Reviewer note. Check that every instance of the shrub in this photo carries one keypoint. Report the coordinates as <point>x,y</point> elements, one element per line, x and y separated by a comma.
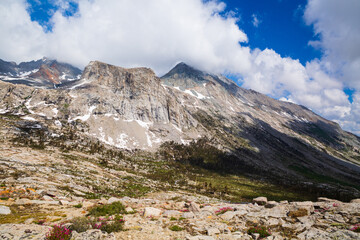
<point>355,228</point>
<point>176,228</point>
<point>78,205</point>
<point>260,230</point>
<point>80,224</point>
<point>110,224</point>
<point>223,210</point>
<point>109,209</point>
<point>59,232</point>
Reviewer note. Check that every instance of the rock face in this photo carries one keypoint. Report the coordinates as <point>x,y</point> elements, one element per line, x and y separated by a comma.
<point>134,109</point>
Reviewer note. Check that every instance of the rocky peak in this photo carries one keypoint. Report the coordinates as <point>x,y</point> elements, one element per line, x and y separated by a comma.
<point>118,77</point>
<point>184,76</point>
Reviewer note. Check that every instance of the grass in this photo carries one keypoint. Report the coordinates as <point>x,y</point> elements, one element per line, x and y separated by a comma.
<point>19,215</point>
<point>108,210</point>
<point>176,228</point>
<point>319,177</point>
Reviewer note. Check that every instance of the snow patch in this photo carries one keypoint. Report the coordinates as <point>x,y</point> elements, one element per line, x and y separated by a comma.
<point>122,141</point>
<point>58,123</point>
<point>85,81</point>
<point>29,118</point>
<point>55,111</point>
<point>2,111</point>
<point>178,129</point>
<point>85,117</point>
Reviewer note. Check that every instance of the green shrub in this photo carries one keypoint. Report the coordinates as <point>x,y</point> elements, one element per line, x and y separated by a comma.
<point>80,224</point>
<point>176,228</point>
<point>109,209</point>
<point>109,224</point>
<point>78,205</point>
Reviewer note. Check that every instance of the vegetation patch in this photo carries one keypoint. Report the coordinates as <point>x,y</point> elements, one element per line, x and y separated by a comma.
<point>108,209</point>
<point>176,228</point>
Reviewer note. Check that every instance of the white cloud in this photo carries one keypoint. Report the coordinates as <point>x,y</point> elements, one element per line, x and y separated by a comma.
<point>21,39</point>
<point>159,33</point>
<point>255,20</point>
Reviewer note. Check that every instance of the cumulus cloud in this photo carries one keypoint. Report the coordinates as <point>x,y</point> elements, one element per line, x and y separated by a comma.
<point>337,24</point>
<point>21,39</point>
<point>160,33</point>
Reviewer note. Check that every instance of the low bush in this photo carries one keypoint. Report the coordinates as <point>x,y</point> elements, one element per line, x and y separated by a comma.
<point>263,231</point>
<point>59,232</point>
<point>108,209</point>
<point>80,224</point>
<point>355,228</point>
<point>176,228</point>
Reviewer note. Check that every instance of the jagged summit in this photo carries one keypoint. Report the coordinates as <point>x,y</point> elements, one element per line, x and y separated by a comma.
<point>44,72</point>
<point>111,75</point>
<point>184,70</point>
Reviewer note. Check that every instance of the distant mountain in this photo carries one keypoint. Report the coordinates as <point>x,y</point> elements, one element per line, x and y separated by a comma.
<point>41,73</point>
<point>193,117</point>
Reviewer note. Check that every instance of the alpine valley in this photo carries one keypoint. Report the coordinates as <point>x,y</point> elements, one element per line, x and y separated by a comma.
<point>77,138</point>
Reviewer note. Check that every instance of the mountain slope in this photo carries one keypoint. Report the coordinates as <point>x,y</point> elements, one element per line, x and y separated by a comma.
<point>41,73</point>
<point>194,117</point>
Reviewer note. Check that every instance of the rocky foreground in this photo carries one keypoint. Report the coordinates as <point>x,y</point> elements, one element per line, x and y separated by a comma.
<point>178,215</point>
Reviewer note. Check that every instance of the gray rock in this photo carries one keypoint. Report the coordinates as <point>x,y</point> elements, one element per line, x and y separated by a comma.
<point>188,215</point>
<point>113,199</point>
<point>355,200</point>
<point>200,237</point>
<point>314,234</point>
<point>260,200</point>
<point>152,212</point>
<point>47,198</point>
<point>23,231</point>
<point>194,207</point>
<point>212,231</point>
<point>129,209</point>
<point>93,234</point>
<point>255,236</point>
<point>4,210</point>
<point>228,215</point>
<point>271,204</point>
<point>23,201</point>
<point>171,213</point>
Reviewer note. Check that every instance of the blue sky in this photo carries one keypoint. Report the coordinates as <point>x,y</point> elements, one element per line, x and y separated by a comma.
<point>302,51</point>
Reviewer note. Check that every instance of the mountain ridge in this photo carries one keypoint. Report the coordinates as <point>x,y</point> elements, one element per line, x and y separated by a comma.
<point>248,132</point>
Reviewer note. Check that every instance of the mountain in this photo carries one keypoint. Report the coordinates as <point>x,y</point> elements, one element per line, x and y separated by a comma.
<point>41,73</point>
<point>187,117</point>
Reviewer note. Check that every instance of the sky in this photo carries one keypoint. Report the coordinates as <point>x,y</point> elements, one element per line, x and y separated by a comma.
<point>302,51</point>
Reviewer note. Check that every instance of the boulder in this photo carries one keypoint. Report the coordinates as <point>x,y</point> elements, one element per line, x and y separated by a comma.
<point>188,215</point>
<point>355,200</point>
<point>212,231</point>
<point>4,210</point>
<point>260,200</point>
<point>113,199</point>
<point>152,212</point>
<point>171,213</point>
<point>271,204</point>
<point>194,207</point>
